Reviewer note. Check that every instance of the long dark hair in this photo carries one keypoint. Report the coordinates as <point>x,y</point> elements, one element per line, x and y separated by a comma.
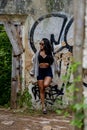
<point>47,46</point>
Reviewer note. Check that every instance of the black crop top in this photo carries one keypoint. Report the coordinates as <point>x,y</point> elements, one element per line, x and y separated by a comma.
<point>48,59</point>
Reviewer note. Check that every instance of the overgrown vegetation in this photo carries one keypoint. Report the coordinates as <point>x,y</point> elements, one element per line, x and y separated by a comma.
<point>79,107</point>
<point>24,99</point>
<point>5,68</point>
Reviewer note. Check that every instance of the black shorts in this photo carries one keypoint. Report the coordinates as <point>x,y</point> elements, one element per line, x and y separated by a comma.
<point>44,72</point>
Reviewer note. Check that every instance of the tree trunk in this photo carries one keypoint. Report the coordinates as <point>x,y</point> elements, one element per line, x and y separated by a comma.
<point>79,7</point>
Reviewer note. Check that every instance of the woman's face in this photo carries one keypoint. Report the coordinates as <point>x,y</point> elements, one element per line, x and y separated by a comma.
<point>41,45</point>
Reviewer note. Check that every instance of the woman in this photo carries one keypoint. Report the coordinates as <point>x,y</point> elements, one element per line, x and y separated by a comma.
<point>42,68</point>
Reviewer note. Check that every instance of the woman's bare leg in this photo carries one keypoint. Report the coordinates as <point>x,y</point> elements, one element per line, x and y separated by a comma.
<point>42,91</point>
<point>42,85</point>
<point>47,81</point>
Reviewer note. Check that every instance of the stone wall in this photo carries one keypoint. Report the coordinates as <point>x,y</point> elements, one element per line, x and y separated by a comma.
<point>33,7</point>
<point>56,25</point>
<point>42,18</point>
<point>14,6</point>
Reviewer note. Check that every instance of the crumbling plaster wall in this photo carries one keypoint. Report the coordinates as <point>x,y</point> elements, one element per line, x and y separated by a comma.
<point>19,12</point>
<point>21,6</point>
<point>27,12</point>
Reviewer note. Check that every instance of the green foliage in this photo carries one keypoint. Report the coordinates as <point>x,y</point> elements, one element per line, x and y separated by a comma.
<point>66,114</point>
<point>79,114</point>
<point>78,120</point>
<point>5,67</point>
<point>77,108</point>
<point>24,99</point>
<point>59,112</point>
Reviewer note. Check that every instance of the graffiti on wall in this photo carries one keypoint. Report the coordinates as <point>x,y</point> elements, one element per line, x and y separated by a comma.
<point>58,28</point>
<point>54,27</point>
<point>51,94</point>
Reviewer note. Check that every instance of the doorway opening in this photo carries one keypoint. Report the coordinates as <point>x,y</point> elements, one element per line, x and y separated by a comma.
<point>5,68</point>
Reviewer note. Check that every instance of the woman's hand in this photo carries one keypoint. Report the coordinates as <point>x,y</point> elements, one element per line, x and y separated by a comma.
<point>31,73</point>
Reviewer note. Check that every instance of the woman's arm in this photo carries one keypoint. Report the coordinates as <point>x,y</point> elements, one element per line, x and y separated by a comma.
<point>32,71</point>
